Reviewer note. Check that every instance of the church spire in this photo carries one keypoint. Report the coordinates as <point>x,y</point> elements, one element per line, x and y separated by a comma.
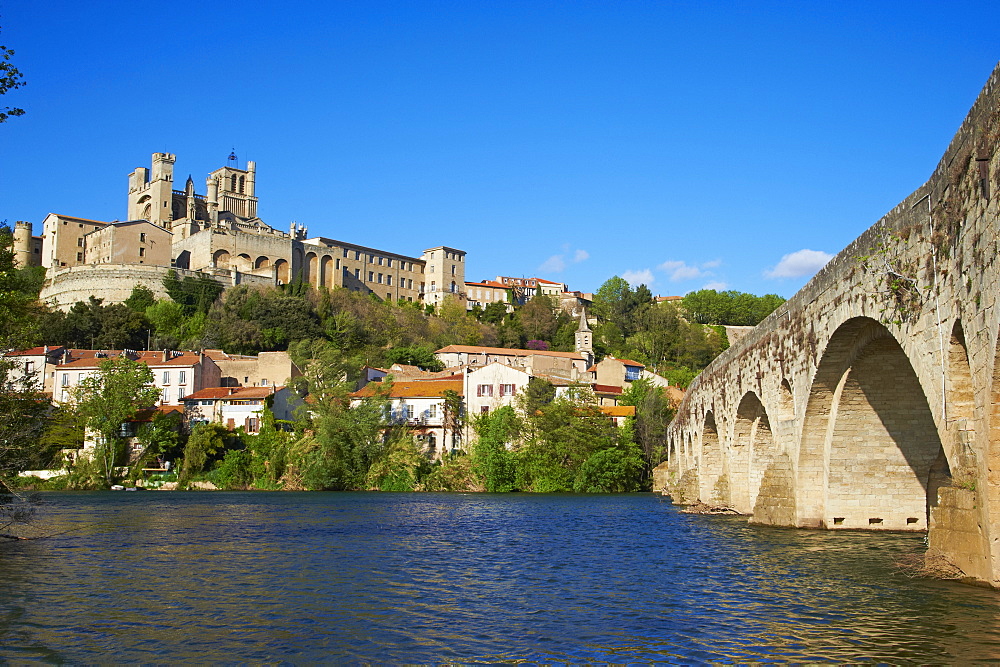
<point>585,339</point>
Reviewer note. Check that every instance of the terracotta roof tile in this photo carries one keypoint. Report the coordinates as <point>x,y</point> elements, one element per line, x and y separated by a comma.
<point>414,389</point>
<point>618,410</point>
<point>505,351</point>
<point>35,351</point>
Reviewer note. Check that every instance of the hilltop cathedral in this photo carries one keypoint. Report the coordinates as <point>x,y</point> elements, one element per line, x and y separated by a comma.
<point>216,234</point>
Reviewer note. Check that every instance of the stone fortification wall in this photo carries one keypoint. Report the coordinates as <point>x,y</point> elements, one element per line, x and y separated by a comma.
<point>111,282</point>
<point>867,400</point>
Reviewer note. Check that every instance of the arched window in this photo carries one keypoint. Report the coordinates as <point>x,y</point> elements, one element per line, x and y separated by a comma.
<point>233,186</point>
<point>242,184</point>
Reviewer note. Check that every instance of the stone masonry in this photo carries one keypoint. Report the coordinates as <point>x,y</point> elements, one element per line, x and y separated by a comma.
<point>871,399</point>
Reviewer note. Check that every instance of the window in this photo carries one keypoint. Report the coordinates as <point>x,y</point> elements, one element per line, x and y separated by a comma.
<point>432,412</point>
<point>65,380</point>
<point>371,276</point>
<point>388,296</point>
<point>357,273</point>
<point>253,424</point>
<point>166,377</point>
<point>166,396</point>
<point>632,373</point>
<point>180,394</point>
<point>345,253</point>
<point>484,390</point>
<point>371,259</point>
<point>263,382</point>
<point>388,280</point>
<point>380,279</point>
<point>29,367</point>
<point>142,237</point>
<point>182,377</point>
<point>410,283</point>
<point>79,242</point>
<point>357,254</point>
<point>380,259</point>
<point>79,256</point>
<point>452,269</point>
<point>388,263</point>
<point>507,390</point>
<point>409,412</point>
<point>484,409</point>
<point>142,252</point>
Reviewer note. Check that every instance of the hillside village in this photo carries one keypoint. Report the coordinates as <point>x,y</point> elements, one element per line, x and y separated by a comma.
<point>217,235</point>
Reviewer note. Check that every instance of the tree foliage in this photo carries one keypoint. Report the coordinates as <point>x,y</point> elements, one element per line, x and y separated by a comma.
<point>732,308</point>
<point>109,398</point>
<point>10,79</point>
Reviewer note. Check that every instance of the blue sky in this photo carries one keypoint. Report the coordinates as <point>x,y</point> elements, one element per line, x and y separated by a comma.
<point>680,144</point>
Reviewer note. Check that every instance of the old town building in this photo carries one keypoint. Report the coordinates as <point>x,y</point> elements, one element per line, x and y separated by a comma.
<point>218,234</point>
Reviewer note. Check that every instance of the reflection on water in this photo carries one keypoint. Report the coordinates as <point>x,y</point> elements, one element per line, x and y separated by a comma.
<point>306,577</point>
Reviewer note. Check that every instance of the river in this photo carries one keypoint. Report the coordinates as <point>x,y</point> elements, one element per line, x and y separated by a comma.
<point>388,578</point>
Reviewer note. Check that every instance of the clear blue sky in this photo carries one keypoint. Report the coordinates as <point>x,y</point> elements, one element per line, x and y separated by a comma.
<point>690,143</point>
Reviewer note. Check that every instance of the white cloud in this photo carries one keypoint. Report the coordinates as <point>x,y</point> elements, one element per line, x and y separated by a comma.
<point>797,264</point>
<point>557,263</point>
<point>554,264</point>
<point>636,278</point>
<point>680,270</point>
<point>716,285</point>
<point>712,264</point>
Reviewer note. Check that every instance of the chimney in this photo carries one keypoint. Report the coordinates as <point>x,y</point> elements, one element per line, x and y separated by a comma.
<point>165,355</point>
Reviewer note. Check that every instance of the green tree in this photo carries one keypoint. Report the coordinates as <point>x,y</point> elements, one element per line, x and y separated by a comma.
<point>193,294</point>
<point>492,458</point>
<point>653,414</point>
<point>206,442</point>
<point>108,399</point>
<point>538,318</point>
<point>10,79</point>
<point>415,355</point>
<point>140,299</point>
<point>157,437</point>
<point>617,469</point>
<point>562,435</point>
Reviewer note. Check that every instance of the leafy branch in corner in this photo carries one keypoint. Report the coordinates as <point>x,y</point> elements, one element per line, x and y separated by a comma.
<point>895,279</point>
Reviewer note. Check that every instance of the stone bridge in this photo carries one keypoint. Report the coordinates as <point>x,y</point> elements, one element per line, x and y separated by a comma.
<point>871,399</point>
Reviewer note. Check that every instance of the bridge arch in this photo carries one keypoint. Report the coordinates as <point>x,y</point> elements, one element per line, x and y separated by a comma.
<point>752,451</point>
<point>869,440</point>
<point>713,481</point>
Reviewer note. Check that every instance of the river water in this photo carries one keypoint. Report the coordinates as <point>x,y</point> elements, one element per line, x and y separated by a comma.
<point>388,578</point>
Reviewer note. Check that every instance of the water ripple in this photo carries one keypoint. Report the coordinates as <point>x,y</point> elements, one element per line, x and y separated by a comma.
<point>386,578</point>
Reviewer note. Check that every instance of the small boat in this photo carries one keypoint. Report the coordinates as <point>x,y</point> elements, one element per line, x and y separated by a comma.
<point>117,487</point>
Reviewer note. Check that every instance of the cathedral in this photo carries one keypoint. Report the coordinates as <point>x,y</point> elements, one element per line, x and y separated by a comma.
<point>217,234</point>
